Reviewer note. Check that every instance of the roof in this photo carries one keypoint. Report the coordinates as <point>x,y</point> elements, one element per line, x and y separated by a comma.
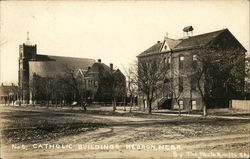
<point>155,48</point>
<point>100,67</point>
<point>189,42</point>
<point>82,72</point>
<point>172,42</point>
<point>198,40</point>
<point>28,42</point>
<point>47,66</point>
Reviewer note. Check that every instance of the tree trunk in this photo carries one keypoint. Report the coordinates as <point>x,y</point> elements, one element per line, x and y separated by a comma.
<point>130,110</point>
<point>8,101</point>
<point>47,101</point>
<point>204,108</point>
<point>179,106</point>
<point>114,105</point>
<point>190,101</point>
<point>149,107</point>
<point>84,104</point>
<point>124,104</point>
<point>179,109</point>
<point>203,102</point>
<point>202,95</point>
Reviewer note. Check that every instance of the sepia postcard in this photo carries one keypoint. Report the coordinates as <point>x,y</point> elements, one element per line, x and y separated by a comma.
<point>124,79</point>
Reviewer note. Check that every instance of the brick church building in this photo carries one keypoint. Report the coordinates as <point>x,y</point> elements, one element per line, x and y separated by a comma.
<point>46,66</point>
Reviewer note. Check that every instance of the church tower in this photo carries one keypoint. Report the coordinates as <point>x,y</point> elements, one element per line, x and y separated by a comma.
<point>27,52</point>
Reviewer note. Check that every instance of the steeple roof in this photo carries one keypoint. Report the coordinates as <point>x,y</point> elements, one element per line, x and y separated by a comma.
<point>28,42</point>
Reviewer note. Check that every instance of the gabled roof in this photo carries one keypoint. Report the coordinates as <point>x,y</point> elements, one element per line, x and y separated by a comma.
<point>198,40</point>
<point>82,72</point>
<point>185,43</point>
<point>172,43</point>
<point>98,66</point>
<point>155,48</point>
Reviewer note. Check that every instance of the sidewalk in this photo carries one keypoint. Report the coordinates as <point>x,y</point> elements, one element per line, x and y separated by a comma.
<point>208,116</point>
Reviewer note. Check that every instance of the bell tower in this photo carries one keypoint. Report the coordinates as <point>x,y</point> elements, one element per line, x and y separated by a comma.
<point>27,52</point>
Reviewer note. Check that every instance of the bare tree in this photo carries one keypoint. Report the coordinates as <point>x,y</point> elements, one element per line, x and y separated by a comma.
<point>71,79</point>
<point>43,88</point>
<point>118,87</point>
<point>151,72</point>
<point>175,88</point>
<point>132,85</point>
<point>247,83</point>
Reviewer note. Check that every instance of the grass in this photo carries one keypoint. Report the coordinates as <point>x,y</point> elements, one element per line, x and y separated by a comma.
<point>31,125</point>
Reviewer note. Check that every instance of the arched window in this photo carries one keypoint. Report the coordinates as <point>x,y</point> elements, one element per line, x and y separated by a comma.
<point>181,58</point>
<point>194,57</point>
<point>165,60</point>
<point>181,61</point>
<point>169,59</point>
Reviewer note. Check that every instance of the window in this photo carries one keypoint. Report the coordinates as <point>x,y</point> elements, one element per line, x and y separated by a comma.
<point>194,57</point>
<point>169,59</point>
<point>165,60</point>
<point>96,83</point>
<point>194,107</point>
<point>181,103</point>
<point>181,60</point>
<point>194,63</point>
<point>193,84</point>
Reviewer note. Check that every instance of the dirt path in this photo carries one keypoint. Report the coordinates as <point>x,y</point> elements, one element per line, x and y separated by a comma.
<point>139,137</point>
<point>115,136</point>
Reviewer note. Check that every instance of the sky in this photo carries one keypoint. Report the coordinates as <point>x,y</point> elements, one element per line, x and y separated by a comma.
<point>114,31</point>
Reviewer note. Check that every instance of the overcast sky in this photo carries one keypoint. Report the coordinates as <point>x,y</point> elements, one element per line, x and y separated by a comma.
<point>112,31</point>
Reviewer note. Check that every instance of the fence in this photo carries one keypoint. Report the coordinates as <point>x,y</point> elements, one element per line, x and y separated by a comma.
<point>240,104</point>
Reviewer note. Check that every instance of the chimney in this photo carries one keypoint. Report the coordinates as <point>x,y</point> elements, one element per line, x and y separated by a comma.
<point>2,84</point>
<point>12,84</point>
<point>111,66</point>
<point>158,42</point>
<point>99,60</point>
